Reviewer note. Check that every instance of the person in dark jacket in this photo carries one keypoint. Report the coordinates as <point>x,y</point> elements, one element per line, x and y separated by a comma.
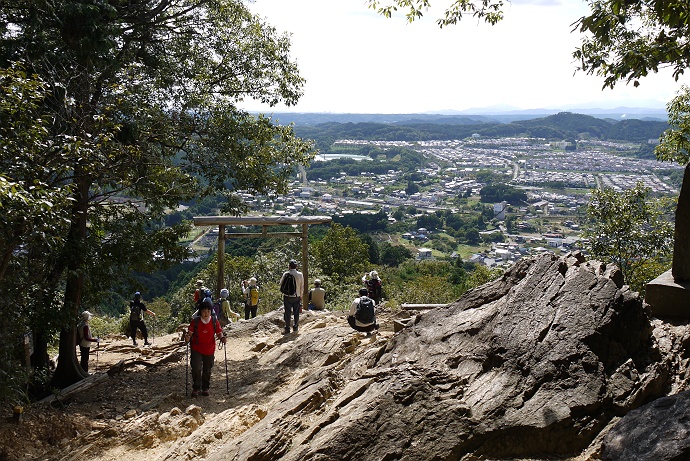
<point>136,320</point>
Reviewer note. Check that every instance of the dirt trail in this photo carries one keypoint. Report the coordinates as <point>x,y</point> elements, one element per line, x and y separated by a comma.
<point>143,411</point>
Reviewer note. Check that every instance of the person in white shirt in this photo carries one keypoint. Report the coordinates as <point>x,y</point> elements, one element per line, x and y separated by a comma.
<point>362,315</point>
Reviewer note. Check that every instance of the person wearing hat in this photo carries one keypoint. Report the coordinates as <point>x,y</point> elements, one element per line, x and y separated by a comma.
<point>373,284</point>
<point>292,287</point>
<point>85,340</point>
<point>136,321</point>
<point>201,335</point>
<point>199,292</point>
<point>227,312</point>
<point>251,298</point>
<point>317,296</point>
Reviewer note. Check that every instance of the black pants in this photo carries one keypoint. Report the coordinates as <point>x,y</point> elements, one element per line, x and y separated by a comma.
<point>351,320</point>
<point>84,352</point>
<point>250,311</point>
<point>292,307</point>
<point>201,370</point>
<point>134,324</point>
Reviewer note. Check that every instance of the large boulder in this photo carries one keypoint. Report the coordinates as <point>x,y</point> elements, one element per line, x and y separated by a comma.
<point>535,364</point>
<point>658,431</point>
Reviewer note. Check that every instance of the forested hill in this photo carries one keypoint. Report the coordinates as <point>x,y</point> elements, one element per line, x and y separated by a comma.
<point>560,126</point>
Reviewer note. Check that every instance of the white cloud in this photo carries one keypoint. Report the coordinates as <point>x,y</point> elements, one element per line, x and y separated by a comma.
<point>357,61</point>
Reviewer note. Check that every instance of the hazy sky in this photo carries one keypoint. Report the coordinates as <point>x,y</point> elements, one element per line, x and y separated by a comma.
<point>356,61</point>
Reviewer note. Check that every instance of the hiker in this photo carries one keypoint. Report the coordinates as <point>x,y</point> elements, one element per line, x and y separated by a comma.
<point>225,309</point>
<point>201,335</point>
<point>251,297</point>
<point>292,286</point>
<point>317,296</point>
<point>373,284</point>
<point>199,292</point>
<point>136,320</point>
<point>362,315</point>
<point>85,339</point>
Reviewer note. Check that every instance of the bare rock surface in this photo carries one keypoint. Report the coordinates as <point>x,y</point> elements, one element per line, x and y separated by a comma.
<point>540,364</point>
<point>659,431</point>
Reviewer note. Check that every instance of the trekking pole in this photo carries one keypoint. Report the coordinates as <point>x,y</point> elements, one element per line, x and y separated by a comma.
<point>186,371</point>
<point>227,381</point>
<point>153,333</point>
<point>98,343</point>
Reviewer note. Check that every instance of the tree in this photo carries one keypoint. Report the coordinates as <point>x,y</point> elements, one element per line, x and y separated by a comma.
<point>341,253</point>
<point>145,93</point>
<point>394,255</point>
<point>675,142</point>
<point>628,39</point>
<point>632,230</point>
<point>488,10</point>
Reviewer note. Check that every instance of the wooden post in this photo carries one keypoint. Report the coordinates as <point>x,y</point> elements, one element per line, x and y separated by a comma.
<point>221,260</point>
<point>305,264</point>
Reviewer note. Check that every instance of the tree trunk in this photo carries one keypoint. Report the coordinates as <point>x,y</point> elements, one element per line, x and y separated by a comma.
<point>68,370</point>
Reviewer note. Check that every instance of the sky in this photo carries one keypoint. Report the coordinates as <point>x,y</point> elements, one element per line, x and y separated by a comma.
<point>356,61</point>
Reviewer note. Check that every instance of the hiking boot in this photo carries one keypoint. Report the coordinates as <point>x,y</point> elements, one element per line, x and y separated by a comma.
<point>134,342</point>
<point>205,393</point>
<point>195,393</point>
<point>146,343</point>
<point>295,328</point>
<point>286,331</point>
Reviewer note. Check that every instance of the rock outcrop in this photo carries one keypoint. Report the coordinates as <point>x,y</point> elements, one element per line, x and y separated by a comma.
<point>657,431</point>
<point>535,364</point>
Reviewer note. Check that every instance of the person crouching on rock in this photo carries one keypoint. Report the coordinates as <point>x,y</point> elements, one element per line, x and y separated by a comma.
<point>362,315</point>
<point>201,335</point>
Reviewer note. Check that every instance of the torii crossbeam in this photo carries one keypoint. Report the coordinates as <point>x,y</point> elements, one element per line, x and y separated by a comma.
<point>265,222</point>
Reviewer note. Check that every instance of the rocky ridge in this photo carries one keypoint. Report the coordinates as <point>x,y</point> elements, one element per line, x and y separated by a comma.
<point>540,364</point>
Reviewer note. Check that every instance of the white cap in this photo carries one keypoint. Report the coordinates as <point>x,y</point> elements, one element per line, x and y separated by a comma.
<point>86,315</point>
<point>252,281</point>
<point>224,293</point>
<point>374,274</point>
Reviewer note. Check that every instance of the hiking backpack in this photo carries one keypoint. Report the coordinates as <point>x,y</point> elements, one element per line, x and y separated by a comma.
<point>197,320</point>
<point>288,286</point>
<point>253,296</point>
<point>134,311</point>
<point>365,310</point>
<point>216,310</point>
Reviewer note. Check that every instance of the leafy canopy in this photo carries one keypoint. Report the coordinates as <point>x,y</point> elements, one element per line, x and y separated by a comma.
<point>488,10</point>
<point>628,39</point>
<point>632,230</point>
<point>137,113</point>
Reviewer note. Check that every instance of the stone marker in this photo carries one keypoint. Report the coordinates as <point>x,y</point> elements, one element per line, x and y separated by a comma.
<point>669,294</point>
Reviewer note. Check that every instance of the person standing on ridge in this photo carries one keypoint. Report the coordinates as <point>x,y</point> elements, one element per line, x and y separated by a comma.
<point>373,284</point>
<point>136,320</point>
<point>85,340</point>
<point>227,312</point>
<point>199,292</point>
<point>250,290</point>
<point>292,287</point>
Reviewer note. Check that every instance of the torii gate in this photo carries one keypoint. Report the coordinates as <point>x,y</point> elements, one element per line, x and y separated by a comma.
<point>264,222</point>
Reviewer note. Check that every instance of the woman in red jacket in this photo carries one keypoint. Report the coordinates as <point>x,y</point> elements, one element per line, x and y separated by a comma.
<point>202,334</point>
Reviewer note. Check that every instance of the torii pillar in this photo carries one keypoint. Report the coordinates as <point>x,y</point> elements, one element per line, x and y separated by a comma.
<point>265,222</point>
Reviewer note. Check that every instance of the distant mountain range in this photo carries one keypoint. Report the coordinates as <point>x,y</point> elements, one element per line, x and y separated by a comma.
<point>496,114</point>
<point>416,127</point>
